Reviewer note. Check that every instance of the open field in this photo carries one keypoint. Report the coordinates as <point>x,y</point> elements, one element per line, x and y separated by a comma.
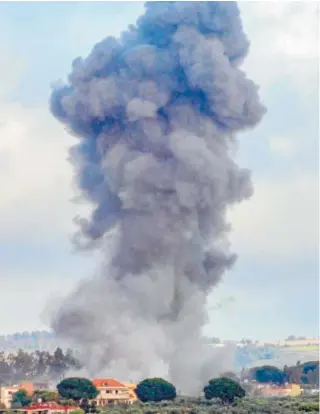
<point>306,348</point>
<point>277,356</point>
<point>249,405</point>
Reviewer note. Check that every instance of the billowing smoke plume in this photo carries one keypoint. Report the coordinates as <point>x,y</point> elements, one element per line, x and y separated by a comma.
<point>155,113</point>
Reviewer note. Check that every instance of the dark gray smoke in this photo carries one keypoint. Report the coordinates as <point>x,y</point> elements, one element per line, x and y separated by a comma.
<point>155,113</point>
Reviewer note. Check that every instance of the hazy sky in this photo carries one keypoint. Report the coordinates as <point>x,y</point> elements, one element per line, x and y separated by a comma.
<point>273,290</point>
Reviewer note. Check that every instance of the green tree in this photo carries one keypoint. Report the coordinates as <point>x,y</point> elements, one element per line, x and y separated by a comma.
<point>223,388</point>
<point>41,363</point>
<point>20,399</point>
<point>155,389</point>
<point>21,365</point>
<point>45,396</point>
<point>77,389</point>
<point>268,374</point>
<point>5,370</point>
<point>58,364</point>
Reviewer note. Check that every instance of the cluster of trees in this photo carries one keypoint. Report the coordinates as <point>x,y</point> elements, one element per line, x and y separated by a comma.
<point>80,392</point>
<point>149,390</point>
<point>306,373</point>
<point>295,338</point>
<point>22,399</point>
<point>157,389</point>
<point>20,366</point>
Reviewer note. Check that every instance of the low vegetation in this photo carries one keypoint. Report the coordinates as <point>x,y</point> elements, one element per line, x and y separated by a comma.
<point>246,405</point>
<point>226,394</point>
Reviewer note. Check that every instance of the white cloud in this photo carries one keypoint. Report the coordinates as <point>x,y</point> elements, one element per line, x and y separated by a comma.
<point>38,291</point>
<point>284,40</point>
<point>35,177</point>
<point>12,68</point>
<point>283,146</point>
<point>13,65</point>
<point>281,220</point>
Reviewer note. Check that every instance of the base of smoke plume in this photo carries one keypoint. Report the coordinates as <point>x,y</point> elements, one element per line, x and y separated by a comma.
<point>222,359</point>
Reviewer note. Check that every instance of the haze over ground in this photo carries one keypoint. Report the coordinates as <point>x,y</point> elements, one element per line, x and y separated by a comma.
<point>275,233</point>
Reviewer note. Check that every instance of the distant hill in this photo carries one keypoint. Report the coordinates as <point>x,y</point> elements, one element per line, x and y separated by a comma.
<point>244,357</point>
<point>29,341</point>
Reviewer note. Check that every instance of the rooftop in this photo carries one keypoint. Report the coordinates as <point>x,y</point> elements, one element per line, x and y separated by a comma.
<point>107,382</point>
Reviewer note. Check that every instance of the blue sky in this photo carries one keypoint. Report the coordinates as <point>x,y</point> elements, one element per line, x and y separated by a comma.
<point>274,284</point>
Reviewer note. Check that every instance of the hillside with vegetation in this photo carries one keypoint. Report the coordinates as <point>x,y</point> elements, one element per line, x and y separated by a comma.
<point>247,405</point>
<point>22,365</point>
<point>157,396</point>
<point>247,356</point>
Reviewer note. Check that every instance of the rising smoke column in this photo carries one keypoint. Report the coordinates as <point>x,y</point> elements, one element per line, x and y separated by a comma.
<point>155,113</point>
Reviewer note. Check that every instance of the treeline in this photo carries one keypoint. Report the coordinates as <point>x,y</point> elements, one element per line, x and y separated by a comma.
<point>37,365</point>
<point>306,373</point>
<point>82,392</point>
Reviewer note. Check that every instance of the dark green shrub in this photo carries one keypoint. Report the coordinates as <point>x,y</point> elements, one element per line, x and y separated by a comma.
<point>155,389</point>
<point>225,389</point>
<point>309,407</point>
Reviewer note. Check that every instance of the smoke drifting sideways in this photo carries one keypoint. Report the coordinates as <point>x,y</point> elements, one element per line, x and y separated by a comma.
<point>155,113</point>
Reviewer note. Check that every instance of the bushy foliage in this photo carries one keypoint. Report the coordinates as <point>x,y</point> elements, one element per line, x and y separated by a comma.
<point>246,405</point>
<point>224,389</point>
<point>268,374</point>
<point>45,396</point>
<point>155,389</point>
<point>77,389</point>
<point>20,399</point>
<point>312,406</point>
<point>68,402</point>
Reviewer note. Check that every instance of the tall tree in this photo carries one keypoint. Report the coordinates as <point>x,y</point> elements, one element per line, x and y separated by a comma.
<point>5,370</point>
<point>77,389</point>
<point>58,364</point>
<point>40,361</point>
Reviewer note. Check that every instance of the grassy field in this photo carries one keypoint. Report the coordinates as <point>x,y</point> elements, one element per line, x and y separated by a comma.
<point>305,348</point>
<point>248,405</point>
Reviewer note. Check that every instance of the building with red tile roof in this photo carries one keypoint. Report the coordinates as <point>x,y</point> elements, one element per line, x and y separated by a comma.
<point>107,382</point>
<point>111,391</point>
<point>46,408</point>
